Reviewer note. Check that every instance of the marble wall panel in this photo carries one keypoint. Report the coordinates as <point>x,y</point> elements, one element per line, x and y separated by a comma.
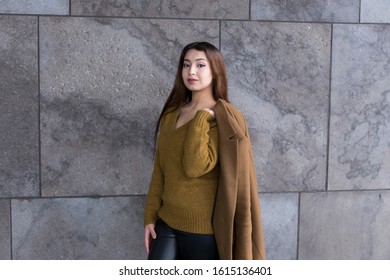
<point>103,84</point>
<point>279,77</point>
<point>376,11</point>
<point>345,225</point>
<point>306,10</point>
<point>78,228</point>
<point>53,7</point>
<point>279,213</point>
<point>359,153</point>
<point>201,9</point>
<point>19,147</point>
<point>5,232</point>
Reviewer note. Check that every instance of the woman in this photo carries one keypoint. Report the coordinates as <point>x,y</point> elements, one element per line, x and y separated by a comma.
<point>202,201</point>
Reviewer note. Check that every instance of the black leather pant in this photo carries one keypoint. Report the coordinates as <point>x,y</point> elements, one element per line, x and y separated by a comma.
<point>172,244</point>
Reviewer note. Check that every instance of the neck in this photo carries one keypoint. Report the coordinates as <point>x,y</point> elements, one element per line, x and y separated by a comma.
<point>201,100</point>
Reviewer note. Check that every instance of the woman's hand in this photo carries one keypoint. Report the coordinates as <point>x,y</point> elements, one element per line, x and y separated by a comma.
<point>149,233</point>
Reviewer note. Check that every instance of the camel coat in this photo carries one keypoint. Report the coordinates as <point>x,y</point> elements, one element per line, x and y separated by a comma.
<point>237,220</point>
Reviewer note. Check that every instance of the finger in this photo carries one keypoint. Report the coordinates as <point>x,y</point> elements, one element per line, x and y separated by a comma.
<point>211,112</point>
<point>147,241</point>
<point>153,233</point>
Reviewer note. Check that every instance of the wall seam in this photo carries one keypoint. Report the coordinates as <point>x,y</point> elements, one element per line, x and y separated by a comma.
<point>70,7</point>
<point>250,9</point>
<point>298,225</point>
<point>144,195</point>
<point>195,19</point>
<point>329,109</point>
<point>10,230</point>
<point>39,110</point>
<point>220,36</point>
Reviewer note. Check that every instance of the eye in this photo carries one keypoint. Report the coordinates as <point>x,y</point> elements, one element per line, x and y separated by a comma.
<point>201,65</point>
<point>186,65</point>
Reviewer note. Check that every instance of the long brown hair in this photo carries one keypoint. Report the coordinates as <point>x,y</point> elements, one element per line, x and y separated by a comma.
<point>180,95</point>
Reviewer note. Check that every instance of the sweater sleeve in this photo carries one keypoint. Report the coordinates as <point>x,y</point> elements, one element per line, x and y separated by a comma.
<point>156,188</point>
<point>201,145</point>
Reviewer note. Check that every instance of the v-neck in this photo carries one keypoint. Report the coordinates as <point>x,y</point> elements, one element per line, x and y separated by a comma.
<point>176,118</point>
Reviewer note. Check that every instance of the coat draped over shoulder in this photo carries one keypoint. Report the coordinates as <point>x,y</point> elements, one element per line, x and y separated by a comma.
<point>237,219</point>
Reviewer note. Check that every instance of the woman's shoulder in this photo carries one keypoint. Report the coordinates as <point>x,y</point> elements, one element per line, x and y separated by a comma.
<point>169,114</point>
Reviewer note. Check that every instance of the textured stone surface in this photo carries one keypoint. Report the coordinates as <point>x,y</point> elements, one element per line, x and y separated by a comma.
<point>5,233</point>
<point>375,11</point>
<point>359,153</point>
<point>216,9</point>
<point>280,225</point>
<point>78,228</point>
<point>54,7</point>
<point>19,156</point>
<point>345,225</point>
<point>103,81</point>
<point>279,77</point>
<point>306,10</point>
<point>103,85</point>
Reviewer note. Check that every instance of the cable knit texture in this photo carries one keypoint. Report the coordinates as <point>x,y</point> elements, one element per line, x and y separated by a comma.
<point>185,175</point>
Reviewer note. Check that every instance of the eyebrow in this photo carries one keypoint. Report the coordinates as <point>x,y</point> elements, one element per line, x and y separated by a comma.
<point>198,59</point>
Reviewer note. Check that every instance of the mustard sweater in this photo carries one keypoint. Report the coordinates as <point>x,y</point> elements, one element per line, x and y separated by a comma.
<point>185,175</point>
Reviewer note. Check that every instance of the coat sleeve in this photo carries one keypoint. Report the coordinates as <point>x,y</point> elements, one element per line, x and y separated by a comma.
<point>242,247</point>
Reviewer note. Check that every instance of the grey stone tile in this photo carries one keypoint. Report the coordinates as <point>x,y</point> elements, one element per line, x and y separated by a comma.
<point>359,152</point>
<point>345,225</point>
<point>19,149</point>
<point>306,10</point>
<point>376,11</point>
<point>78,228</point>
<point>203,9</point>
<point>54,7</point>
<point>280,225</point>
<point>279,77</point>
<point>5,234</point>
<point>103,84</point>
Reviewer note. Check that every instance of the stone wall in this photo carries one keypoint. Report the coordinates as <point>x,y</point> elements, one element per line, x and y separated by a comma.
<point>82,83</point>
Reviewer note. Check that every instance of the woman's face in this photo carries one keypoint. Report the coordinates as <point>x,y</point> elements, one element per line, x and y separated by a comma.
<point>196,72</point>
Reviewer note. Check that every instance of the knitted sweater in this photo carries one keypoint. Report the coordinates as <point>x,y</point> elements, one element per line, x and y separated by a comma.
<point>185,175</point>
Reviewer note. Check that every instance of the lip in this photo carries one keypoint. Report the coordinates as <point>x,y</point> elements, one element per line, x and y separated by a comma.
<point>191,81</point>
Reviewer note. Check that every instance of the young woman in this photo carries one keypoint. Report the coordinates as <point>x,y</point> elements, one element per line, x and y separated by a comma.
<point>202,201</point>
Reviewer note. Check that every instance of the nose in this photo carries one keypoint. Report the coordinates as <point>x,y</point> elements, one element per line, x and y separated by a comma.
<point>192,70</point>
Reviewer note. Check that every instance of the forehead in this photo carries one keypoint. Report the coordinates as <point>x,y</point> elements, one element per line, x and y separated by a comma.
<point>193,55</point>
